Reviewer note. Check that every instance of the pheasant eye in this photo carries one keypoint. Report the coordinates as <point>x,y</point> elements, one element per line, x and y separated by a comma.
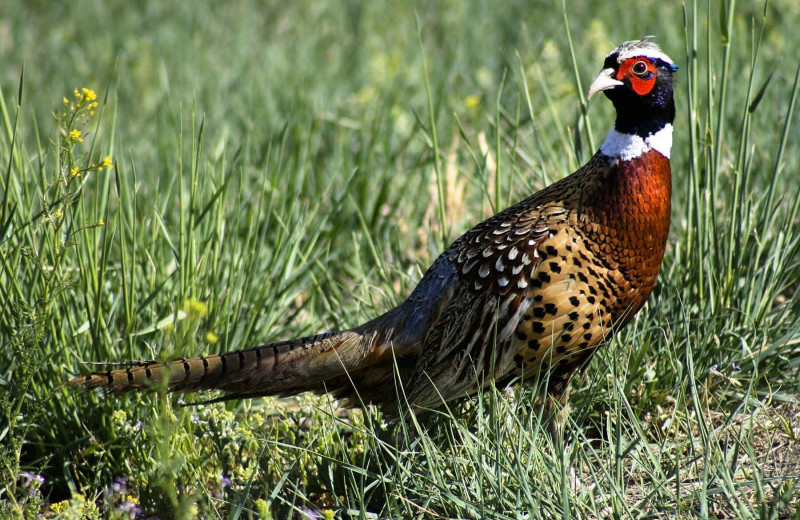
<point>639,68</point>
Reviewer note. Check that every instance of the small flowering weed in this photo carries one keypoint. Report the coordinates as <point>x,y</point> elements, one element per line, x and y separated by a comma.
<point>76,508</point>
<point>55,222</point>
<point>73,120</point>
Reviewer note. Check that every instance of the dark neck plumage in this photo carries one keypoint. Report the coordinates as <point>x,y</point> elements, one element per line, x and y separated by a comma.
<point>644,119</point>
<point>640,128</point>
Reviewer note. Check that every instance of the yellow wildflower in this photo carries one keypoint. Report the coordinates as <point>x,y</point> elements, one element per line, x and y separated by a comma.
<point>65,100</point>
<point>211,338</point>
<point>77,93</point>
<point>106,164</point>
<point>472,101</point>
<point>75,172</point>
<point>58,214</point>
<point>195,307</point>
<point>75,135</point>
<point>327,514</point>
<point>76,507</point>
<point>132,499</point>
<point>101,222</point>
<point>89,94</point>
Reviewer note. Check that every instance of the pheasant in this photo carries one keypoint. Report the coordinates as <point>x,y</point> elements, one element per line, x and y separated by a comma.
<point>532,291</point>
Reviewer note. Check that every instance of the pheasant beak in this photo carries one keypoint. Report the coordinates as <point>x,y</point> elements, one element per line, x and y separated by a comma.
<point>604,81</point>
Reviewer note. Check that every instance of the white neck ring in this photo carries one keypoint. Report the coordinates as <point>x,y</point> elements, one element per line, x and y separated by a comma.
<point>626,147</point>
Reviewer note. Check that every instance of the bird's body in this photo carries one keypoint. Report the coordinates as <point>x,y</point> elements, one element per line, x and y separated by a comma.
<point>534,289</point>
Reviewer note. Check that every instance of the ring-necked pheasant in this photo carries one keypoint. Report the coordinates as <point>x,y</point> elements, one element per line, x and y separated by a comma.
<point>536,287</point>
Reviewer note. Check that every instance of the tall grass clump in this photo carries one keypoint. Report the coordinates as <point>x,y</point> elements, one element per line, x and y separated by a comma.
<point>238,173</point>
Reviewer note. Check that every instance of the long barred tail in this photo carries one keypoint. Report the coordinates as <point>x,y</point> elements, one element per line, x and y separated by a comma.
<point>282,368</point>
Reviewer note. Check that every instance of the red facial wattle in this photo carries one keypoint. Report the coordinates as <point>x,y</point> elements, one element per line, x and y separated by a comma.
<point>640,73</point>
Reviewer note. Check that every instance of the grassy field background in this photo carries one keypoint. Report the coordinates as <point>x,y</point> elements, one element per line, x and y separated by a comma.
<point>281,168</point>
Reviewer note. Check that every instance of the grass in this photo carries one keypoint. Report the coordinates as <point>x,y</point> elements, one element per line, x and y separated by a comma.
<point>283,168</point>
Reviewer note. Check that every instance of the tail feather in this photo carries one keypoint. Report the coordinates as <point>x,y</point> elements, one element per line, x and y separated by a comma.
<point>282,368</point>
